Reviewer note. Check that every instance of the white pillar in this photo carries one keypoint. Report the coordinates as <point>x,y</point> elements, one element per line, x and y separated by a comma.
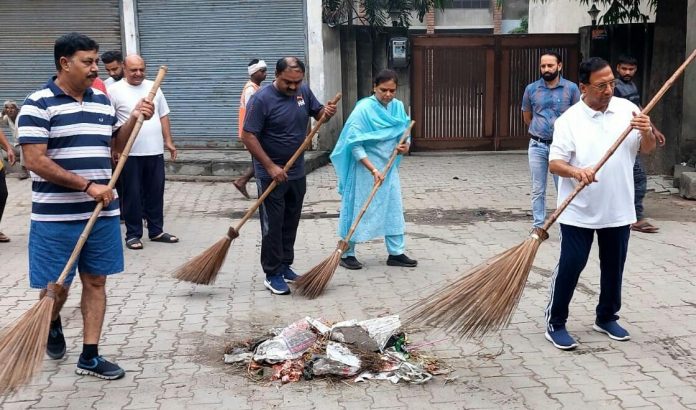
<point>315,50</point>
<point>323,70</point>
<point>130,27</point>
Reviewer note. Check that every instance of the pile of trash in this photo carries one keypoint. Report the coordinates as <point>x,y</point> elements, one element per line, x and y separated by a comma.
<point>359,350</point>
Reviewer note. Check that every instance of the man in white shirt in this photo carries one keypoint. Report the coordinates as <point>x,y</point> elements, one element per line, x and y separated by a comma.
<point>113,63</point>
<point>257,74</point>
<point>143,174</point>
<point>582,135</point>
<point>8,117</point>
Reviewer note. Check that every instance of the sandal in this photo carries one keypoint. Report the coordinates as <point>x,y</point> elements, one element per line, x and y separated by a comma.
<point>134,243</point>
<point>4,238</point>
<point>165,237</point>
<point>242,189</point>
<point>644,226</point>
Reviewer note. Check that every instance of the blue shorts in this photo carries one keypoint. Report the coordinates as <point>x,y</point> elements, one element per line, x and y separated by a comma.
<point>51,243</point>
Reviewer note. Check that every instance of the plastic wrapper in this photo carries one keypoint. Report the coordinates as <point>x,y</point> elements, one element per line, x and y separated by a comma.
<point>290,344</point>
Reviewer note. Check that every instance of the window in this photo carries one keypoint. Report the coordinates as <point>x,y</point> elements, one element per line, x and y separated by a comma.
<point>469,4</point>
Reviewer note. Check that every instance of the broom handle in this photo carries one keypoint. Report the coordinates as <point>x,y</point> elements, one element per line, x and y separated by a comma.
<point>114,177</point>
<point>668,84</point>
<point>379,182</point>
<point>286,168</point>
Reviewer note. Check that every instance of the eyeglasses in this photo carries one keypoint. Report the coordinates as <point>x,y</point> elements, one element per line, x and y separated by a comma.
<point>603,86</point>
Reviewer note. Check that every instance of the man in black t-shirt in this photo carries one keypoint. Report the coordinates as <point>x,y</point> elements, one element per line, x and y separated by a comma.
<point>274,128</point>
<point>625,88</point>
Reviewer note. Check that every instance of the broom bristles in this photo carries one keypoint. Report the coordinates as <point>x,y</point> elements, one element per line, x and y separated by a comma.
<point>23,345</point>
<point>485,298</point>
<point>313,283</point>
<point>203,269</point>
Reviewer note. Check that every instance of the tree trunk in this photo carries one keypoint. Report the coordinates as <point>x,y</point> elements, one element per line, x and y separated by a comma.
<point>669,45</point>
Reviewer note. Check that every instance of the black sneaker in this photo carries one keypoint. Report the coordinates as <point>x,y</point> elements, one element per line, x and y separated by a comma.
<point>401,260</point>
<point>351,262</point>
<point>55,348</point>
<point>99,367</point>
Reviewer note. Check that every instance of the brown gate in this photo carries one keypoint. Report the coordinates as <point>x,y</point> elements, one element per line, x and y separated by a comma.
<point>467,91</point>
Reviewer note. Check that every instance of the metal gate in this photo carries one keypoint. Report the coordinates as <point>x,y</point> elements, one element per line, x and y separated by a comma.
<point>207,46</point>
<point>30,28</point>
<point>467,90</point>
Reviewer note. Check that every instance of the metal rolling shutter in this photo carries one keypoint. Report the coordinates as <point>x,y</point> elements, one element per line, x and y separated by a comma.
<point>207,46</point>
<point>31,27</point>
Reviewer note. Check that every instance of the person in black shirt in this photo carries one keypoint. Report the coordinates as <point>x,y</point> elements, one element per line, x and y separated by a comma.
<point>275,126</point>
<point>626,69</point>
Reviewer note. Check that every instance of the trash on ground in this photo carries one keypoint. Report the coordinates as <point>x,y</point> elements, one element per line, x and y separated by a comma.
<point>373,349</point>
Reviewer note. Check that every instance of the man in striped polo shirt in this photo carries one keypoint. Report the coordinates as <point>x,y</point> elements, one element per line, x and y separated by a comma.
<point>65,130</point>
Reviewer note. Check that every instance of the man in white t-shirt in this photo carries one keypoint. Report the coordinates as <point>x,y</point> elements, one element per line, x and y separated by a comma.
<point>582,136</point>
<point>143,175</point>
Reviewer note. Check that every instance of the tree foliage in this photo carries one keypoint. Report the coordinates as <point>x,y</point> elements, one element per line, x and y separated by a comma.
<point>523,28</point>
<point>616,11</point>
<point>377,13</point>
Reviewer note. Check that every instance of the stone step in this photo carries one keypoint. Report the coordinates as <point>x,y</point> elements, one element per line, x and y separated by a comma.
<point>224,164</point>
<point>212,165</point>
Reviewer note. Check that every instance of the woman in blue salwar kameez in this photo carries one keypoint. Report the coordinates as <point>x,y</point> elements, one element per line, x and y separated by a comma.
<point>369,137</point>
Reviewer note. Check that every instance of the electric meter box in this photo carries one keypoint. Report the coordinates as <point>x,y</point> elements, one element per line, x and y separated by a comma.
<point>398,52</point>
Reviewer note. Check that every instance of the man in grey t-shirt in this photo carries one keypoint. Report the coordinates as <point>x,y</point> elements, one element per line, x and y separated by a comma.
<point>626,69</point>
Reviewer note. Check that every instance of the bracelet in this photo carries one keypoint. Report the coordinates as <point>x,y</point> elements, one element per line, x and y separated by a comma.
<point>87,186</point>
<point>374,170</point>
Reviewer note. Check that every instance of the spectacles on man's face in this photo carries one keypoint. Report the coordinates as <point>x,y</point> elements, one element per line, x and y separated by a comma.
<point>603,86</point>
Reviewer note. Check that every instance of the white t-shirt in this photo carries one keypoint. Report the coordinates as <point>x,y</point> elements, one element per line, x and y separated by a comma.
<point>109,82</point>
<point>581,137</point>
<point>124,97</point>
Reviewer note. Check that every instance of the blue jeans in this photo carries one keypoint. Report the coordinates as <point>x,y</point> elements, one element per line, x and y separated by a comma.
<point>539,168</point>
<point>640,184</point>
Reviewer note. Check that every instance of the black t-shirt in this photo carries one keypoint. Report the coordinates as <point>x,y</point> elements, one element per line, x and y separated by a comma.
<point>279,122</point>
<point>627,90</point>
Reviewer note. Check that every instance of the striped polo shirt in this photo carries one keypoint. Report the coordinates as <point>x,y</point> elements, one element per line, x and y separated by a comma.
<point>77,138</point>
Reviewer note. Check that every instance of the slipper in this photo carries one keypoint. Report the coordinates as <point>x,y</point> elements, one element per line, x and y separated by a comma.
<point>134,243</point>
<point>242,189</point>
<point>165,237</point>
<point>644,226</point>
<point>4,238</point>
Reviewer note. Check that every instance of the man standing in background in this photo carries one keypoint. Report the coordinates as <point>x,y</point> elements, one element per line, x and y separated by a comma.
<point>3,185</point>
<point>113,63</point>
<point>626,69</point>
<point>257,74</point>
<point>545,100</point>
<point>10,111</point>
<point>143,175</point>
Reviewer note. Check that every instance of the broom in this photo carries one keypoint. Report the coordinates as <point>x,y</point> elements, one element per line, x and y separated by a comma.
<point>23,342</point>
<point>203,268</point>
<point>312,283</point>
<point>486,297</point>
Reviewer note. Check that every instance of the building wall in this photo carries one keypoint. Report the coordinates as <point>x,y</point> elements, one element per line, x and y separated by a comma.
<point>463,18</point>
<point>452,19</point>
<point>688,148</point>
<point>323,69</point>
<point>563,16</point>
